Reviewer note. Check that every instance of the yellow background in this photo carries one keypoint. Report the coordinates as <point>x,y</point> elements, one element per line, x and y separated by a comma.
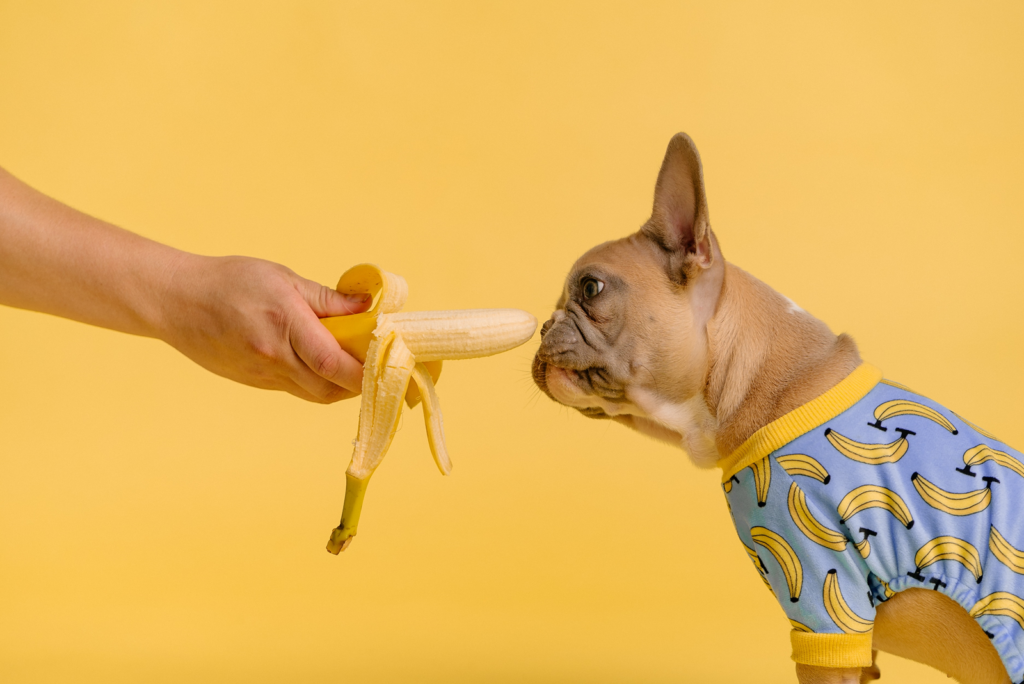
<point>161,524</point>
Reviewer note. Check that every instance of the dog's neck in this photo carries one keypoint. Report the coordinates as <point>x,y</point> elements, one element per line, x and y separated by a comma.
<point>767,356</point>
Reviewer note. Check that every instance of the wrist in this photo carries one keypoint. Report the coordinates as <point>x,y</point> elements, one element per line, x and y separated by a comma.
<point>171,293</point>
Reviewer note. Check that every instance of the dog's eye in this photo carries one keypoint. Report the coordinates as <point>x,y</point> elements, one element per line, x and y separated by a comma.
<point>592,287</point>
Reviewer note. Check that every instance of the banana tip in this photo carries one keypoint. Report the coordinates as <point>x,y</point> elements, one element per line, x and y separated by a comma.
<point>335,545</point>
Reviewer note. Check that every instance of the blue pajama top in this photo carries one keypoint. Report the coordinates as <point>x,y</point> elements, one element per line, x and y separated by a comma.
<point>871,489</point>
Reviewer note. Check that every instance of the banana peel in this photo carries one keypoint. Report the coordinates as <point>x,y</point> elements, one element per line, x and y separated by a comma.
<point>402,355</point>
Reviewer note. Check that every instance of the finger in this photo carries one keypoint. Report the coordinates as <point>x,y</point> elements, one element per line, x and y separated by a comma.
<point>323,356</point>
<point>327,302</point>
<point>296,391</point>
<point>315,388</point>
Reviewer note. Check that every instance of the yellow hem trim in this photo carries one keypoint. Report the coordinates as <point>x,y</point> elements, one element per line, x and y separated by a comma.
<point>831,650</point>
<point>784,430</point>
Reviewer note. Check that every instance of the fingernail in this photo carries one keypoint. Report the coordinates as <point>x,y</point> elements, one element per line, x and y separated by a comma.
<point>358,298</point>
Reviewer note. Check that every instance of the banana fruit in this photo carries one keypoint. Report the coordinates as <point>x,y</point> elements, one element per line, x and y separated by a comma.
<point>872,454</point>
<point>785,556</point>
<point>1000,603</point>
<point>839,610</point>
<point>950,548</point>
<point>801,464</point>
<point>1005,552</point>
<point>874,496</point>
<point>903,407</point>
<point>951,502</point>
<point>401,355</point>
<point>809,525</point>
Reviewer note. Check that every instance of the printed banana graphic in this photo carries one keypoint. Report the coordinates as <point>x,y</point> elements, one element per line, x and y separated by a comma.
<point>801,464</point>
<point>809,525</point>
<point>786,557</point>
<point>1000,603</point>
<point>953,503</point>
<point>1005,552</point>
<point>874,496</point>
<point>800,627</point>
<point>864,546</point>
<point>402,354</point>
<point>839,610</point>
<point>903,407</point>
<point>982,453</point>
<point>727,485</point>
<point>949,548</point>
<point>889,593</point>
<point>756,558</point>
<point>769,585</point>
<point>762,480</point>
<point>872,454</point>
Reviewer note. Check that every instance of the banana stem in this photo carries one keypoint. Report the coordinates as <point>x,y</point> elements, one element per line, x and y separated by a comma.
<point>341,536</point>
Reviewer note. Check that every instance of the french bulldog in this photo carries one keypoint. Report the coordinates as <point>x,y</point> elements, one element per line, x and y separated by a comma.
<point>659,332</point>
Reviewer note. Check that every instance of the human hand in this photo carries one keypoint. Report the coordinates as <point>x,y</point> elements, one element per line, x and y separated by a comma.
<point>257,322</point>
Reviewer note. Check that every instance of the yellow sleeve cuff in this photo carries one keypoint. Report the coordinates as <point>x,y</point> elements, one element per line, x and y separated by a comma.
<point>832,650</point>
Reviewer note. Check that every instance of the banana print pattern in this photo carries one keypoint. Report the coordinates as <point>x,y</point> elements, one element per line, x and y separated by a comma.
<point>1000,603</point>
<point>762,480</point>
<point>1002,549</point>
<point>802,464</point>
<point>786,557</point>
<point>809,525</point>
<point>800,627</point>
<point>864,545</point>
<point>873,454</point>
<point>839,610</point>
<point>949,502</point>
<point>982,453</point>
<point>758,563</point>
<point>904,407</point>
<point>873,496</point>
<point>888,492</point>
<point>949,549</point>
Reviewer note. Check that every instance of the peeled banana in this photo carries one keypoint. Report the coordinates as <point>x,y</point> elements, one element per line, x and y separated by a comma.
<point>401,355</point>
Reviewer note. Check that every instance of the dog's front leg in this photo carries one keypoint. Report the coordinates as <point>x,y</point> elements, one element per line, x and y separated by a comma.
<point>811,674</point>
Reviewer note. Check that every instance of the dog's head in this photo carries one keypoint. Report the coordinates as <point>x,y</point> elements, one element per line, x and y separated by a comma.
<point>628,336</point>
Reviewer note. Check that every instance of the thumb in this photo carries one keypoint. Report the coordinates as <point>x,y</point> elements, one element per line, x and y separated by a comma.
<point>327,302</point>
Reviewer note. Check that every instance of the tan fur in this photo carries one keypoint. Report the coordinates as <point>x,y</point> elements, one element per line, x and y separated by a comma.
<point>687,348</point>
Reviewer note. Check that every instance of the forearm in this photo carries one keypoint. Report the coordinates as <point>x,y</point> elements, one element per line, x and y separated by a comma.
<point>60,261</point>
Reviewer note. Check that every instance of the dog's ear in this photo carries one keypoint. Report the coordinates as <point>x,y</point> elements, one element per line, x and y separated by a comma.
<point>679,222</point>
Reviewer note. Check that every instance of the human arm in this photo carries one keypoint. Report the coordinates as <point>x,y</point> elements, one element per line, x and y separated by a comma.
<point>246,319</point>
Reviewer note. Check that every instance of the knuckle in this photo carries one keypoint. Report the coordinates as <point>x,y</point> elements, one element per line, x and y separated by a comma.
<point>278,318</point>
<point>327,364</point>
<point>263,350</point>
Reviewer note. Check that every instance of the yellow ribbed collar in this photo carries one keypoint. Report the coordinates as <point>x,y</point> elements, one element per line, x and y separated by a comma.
<point>784,430</point>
